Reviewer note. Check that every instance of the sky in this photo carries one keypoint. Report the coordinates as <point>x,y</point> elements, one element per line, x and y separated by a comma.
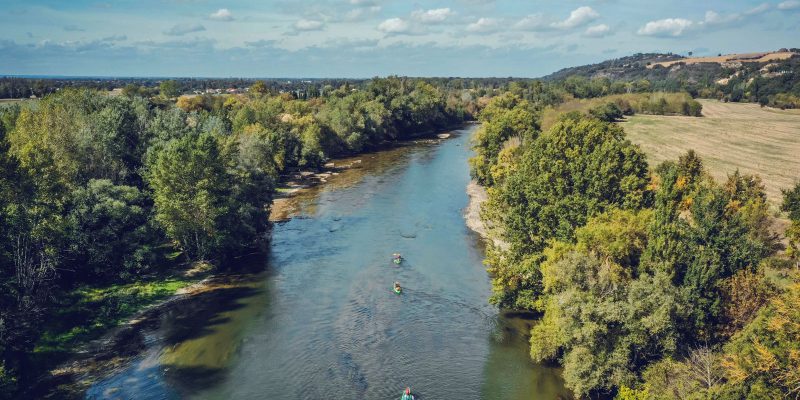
<point>366,38</point>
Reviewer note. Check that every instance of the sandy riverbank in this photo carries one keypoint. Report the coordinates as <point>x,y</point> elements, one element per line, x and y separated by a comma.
<point>472,214</point>
<point>477,196</point>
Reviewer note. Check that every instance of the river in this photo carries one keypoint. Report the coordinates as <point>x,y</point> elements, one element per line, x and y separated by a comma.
<point>320,320</point>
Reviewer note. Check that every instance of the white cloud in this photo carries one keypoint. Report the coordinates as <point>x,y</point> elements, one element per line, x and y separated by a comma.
<point>308,25</point>
<point>358,14</point>
<point>597,31</point>
<point>763,7</point>
<point>223,14</point>
<point>789,5</point>
<point>578,17</point>
<point>436,15</point>
<point>714,18</point>
<point>484,25</point>
<point>182,29</point>
<point>533,22</point>
<point>394,25</point>
<point>666,27</point>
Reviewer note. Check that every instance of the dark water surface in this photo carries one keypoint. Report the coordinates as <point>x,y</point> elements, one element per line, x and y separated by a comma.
<point>323,322</point>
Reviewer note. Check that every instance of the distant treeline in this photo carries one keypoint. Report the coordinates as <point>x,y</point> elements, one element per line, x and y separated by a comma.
<point>614,107</point>
<point>99,190</point>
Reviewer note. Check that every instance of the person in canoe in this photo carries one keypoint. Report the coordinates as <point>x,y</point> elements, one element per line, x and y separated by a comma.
<point>407,395</point>
<point>397,288</point>
<point>397,258</point>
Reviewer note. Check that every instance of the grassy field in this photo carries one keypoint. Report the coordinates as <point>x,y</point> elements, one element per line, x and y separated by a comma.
<point>760,141</point>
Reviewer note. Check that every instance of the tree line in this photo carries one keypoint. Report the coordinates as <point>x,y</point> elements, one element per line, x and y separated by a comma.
<point>649,284</point>
<point>99,190</point>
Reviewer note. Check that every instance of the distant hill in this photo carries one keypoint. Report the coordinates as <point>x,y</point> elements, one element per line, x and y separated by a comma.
<point>770,78</point>
<point>659,66</point>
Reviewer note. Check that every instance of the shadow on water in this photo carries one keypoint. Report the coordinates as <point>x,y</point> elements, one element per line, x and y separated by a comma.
<point>187,346</point>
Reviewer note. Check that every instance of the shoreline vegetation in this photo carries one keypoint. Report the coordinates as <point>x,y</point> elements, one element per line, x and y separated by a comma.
<point>95,358</point>
<point>107,198</point>
<point>640,275</point>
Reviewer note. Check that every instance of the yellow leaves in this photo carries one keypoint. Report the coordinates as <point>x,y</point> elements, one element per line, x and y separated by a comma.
<point>733,369</point>
<point>769,347</point>
<point>655,182</point>
<point>765,362</point>
<point>681,182</point>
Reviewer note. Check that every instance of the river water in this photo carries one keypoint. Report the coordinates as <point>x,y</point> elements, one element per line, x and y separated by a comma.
<point>321,320</point>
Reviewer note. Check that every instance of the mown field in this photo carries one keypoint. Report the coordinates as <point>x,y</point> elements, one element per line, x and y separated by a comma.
<point>762,141</point>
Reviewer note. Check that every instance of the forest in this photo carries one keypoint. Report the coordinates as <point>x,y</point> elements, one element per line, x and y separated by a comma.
<point>648,283</point>
<point>103,198</point>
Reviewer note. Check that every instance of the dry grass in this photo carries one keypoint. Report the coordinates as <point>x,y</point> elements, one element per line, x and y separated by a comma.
<point>748,57</point>
<point>760,141</point>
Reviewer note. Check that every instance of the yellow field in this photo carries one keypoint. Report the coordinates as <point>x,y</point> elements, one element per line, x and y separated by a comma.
<point>749,57</point>
<point>760,141</point>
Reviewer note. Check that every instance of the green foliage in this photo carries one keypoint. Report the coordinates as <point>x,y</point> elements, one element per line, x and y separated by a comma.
<point>791,202</point>
<point>604,320</point>
<point>191,193</point>
<point>763,358</point>
<point>169,89</point>
<point>506,117</point>
<point>608,112</point>
<point>110,234</point>
<point>568,174</point>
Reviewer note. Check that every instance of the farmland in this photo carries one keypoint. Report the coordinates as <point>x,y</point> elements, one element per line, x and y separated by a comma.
<point>755,140</point>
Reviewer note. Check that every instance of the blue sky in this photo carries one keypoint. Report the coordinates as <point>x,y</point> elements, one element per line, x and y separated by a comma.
<point>365,38</point>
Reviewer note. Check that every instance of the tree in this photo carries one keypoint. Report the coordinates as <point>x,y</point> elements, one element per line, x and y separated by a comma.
<point>259,88</point>
<point>506,118</point>
<point>791,205</point>
<point>608,112</point>
<point>110,234</point>
<point>169,89</point>
<point>764,357</point>
<point>191,192</point>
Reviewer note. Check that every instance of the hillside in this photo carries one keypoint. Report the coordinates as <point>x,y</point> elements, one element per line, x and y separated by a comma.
<point>730,58</point>
<point>769,78</point>
<point>655,66</point>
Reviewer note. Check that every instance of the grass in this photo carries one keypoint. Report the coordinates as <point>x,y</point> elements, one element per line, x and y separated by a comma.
<point>88,312</point>
<point>729,136</point>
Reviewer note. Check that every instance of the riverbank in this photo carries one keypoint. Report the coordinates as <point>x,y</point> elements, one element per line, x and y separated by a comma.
<point>472,215</point>
<point>477,196</point>
<point>121,338</point>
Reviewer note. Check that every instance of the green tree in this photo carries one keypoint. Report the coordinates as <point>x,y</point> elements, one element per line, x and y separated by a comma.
<point>169,89</point>
<point>109,231</point>
<point>505,118</point>
<point>791,205</point>
<point>191,193</point>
